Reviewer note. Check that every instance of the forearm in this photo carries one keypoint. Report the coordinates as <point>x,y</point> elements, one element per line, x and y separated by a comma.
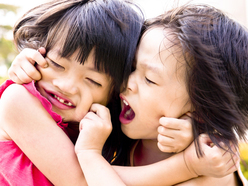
<point>167,172</point>
<point>228,180</point>
<point>97,170</point>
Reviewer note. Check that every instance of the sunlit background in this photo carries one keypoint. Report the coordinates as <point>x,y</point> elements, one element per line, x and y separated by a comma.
<point>237,9</point>
<point>11,10</point>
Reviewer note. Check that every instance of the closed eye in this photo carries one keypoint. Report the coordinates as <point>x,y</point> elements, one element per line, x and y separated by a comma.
<point>149,81</point>
<point>94,82</point>
<point>55,64</point>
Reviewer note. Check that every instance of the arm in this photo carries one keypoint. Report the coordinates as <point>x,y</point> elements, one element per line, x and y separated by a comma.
<point>95,128</point>
<point>39,137</point>
<point>23,70</point>
<point>228,180</point>
<point>215,163</point>
<point>167,172</point>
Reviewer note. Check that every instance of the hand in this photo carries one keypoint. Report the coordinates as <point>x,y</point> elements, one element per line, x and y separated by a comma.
<point>215,162</point>
<point>175,135</point>
<point>22,69</point>
<point>94,128</point>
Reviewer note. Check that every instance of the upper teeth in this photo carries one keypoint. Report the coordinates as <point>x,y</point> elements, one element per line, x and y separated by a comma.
<point>125,102</point>
<point>63,101</point>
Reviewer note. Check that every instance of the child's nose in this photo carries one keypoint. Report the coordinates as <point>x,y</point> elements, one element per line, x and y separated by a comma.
<point>132,84</point>
<point>66,85</point>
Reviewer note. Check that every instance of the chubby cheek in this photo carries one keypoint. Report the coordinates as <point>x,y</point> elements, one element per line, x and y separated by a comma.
<point>150,123</point>
<point>103,97</point>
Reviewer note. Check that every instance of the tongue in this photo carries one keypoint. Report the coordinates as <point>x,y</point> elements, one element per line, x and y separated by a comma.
<point>129,113</point>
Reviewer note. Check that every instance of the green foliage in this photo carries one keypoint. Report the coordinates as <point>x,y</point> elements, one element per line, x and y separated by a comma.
<point>244,168</point>
<point>7,51</point>
<point>7,48</point>
<point>6,27</point>
<point>243,148</point>
<point>2,79</point>
<point>8,8</point>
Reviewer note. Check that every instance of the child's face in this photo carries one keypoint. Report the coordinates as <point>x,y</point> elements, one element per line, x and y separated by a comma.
<point>72,87</point>
<point>155,89</point>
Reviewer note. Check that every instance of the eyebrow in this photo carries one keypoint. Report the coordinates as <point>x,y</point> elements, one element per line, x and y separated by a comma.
<point>154,69</point>
<point>59,54</point>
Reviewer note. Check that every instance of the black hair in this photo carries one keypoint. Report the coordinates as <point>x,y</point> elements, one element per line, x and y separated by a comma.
<point>215,49</point>
<point>109,27</point>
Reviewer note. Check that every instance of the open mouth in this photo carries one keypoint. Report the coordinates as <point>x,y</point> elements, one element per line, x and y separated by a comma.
<point>65,102</point>
<point>59,101</point>
<point>127,114</point>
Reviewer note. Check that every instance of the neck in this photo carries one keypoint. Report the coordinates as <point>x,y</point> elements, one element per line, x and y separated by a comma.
<point>147,152</point>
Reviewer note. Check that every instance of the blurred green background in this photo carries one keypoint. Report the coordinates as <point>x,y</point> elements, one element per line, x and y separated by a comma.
<point>8,50</point>
<point>244,158</point>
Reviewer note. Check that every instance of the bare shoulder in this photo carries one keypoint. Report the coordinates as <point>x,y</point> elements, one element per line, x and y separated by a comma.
<point>16,104</point>
<point>17,97</point>
<point>15,92</point>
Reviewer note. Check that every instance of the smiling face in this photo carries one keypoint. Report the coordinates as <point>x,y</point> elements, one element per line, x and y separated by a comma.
<point>156,88</point>
<point>72,87</point>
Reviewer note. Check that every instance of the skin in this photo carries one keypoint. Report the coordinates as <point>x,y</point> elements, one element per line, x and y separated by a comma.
<point>169,95</point>
<point>50,157</point>
<point>80,85</point>
<point>43,134</point>
<point>156,88</point>
<point>164,80</point>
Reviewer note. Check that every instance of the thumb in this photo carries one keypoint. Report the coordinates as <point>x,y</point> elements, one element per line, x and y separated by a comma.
<point>42,51</point>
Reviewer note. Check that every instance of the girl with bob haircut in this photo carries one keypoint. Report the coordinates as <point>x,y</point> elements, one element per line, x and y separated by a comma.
<point>90,47</point>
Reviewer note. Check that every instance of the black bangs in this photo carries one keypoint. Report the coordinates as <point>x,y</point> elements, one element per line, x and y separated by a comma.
<point>110,29</point>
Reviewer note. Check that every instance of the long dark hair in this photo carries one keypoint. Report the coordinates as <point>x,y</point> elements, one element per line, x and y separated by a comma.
<point>215,49</point>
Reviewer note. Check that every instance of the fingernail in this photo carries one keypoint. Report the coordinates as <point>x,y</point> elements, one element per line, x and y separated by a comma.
<point>46,65</point>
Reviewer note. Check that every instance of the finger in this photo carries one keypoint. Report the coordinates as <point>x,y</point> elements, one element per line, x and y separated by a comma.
<point>40,60</point>
<point>233,159</point>
<point>165,140</point>
<point>235,166</point>
<point>170,123</point>
<point>175,134</point>
<point>27,69</point>
<point>231,166</point>
<point>15,78</point>
<point>23,76</point>
<point>167,131</point>
<point>101,111</point>
<point>167,149</point>
<point>20,75</point>
<point>26,54</point>
<point>42,51</point>
<point>176,124</point>
<point>80,125</point>
<point>33,56</point>
<point>91,116</point>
